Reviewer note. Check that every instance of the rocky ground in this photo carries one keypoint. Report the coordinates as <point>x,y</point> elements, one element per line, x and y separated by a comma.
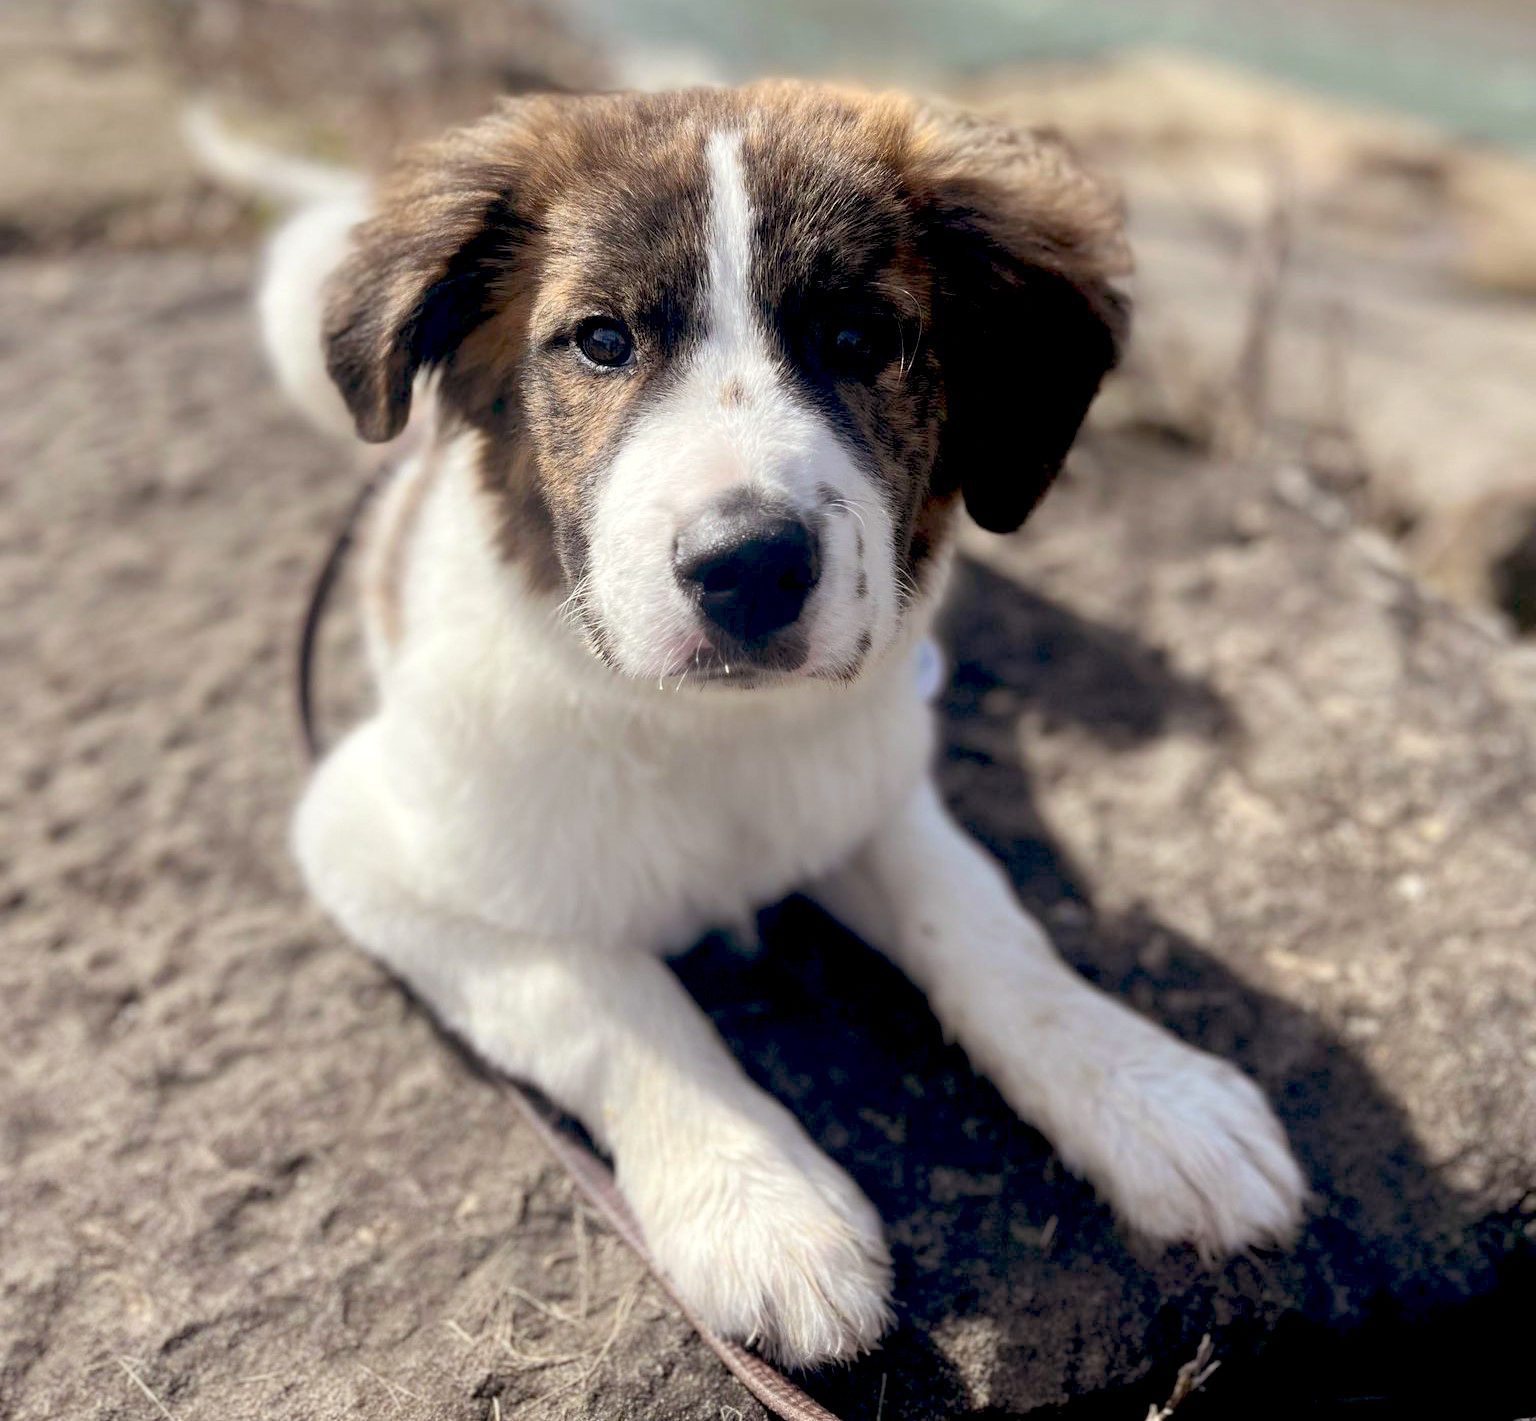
<point>1260,781</point>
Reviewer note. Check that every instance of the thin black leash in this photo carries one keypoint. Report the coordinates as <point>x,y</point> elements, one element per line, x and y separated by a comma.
<point>320,599</point>
<point>590,1175</point>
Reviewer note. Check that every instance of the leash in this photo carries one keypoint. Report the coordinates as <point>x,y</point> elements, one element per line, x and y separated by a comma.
<point>319,599</point>
<point>595,1181</point>
<point>592,1178</point>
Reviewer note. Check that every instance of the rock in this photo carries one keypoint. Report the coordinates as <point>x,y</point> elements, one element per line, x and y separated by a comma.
<point>93,150</point>
<point>1393,355</point>
<point>1187,104</point>
<point>1495,199</point>
<point>1257,780</point>
<point>92,97</point>
<point>1483,553</point>
<point>360,77</point>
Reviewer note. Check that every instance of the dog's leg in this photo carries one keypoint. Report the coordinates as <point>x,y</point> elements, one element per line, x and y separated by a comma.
<point>764,1236</point>
<point>1182,1145</point>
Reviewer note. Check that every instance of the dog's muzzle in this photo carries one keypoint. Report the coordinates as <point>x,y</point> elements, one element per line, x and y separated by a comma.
<point>750,568</point>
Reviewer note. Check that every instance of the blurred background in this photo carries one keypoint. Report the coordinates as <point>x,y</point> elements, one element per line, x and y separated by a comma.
<point>1334,204</point>
<point>1248,710</point>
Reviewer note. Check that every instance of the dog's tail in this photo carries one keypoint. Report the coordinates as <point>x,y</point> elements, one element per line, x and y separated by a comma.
<point>244,166</point>
<point>323,203</point>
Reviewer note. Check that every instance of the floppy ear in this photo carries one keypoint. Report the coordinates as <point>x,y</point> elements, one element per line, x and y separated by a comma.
<point>1027,324</point>
<point>424,270</point>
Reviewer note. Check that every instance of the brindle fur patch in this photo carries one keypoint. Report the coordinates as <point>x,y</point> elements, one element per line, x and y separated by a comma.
<point>838,243</point>
<point>977,256</point>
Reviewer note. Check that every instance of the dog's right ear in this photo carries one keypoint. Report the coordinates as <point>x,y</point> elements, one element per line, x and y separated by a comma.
<point>425,270</point>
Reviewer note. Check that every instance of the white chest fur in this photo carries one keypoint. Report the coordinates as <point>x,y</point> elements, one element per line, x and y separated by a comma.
<point>536,788</point>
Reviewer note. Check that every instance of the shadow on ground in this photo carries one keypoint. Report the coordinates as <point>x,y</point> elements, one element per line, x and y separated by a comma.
<point>1399,1297</point>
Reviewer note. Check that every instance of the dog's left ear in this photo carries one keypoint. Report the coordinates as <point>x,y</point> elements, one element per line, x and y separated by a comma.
<point>1025,246</point>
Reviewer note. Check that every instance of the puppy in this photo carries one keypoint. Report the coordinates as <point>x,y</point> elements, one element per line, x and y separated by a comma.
<point>703,381</point>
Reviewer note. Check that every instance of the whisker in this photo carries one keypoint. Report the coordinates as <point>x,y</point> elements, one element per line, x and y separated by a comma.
<point>571,609</point>
<point>917,312</point>
<point>848,504</point>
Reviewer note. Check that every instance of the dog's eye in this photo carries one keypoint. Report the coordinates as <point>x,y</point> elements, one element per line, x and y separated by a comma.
<point>605,341</point>
<point>852,346</point>
<point>857,349</point>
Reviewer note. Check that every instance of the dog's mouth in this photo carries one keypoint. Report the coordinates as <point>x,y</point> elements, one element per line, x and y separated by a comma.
<point>715,658</point>
<point>736,678</point>
<point>733,669</point>
<point>700,663</point>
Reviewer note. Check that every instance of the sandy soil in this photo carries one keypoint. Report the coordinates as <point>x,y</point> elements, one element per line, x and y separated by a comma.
<point>1274,795</point>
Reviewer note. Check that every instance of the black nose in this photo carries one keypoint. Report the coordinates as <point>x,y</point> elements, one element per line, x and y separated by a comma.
<point>751,569</point>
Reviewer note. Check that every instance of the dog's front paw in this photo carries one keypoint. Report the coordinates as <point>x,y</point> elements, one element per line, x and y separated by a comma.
<point>1185,1148</point>
<point>768,1241</point>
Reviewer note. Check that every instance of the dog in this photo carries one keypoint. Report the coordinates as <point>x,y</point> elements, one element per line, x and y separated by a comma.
<point>703,381</point>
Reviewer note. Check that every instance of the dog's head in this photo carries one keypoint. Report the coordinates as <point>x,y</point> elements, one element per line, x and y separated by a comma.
<point>736,355</point>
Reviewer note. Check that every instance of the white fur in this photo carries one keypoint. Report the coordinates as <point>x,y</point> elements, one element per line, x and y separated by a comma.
<point>289,299</point>
<point>1182,1144</point>
<point>693,446</point>
<point>259,171</point>
<point>523,834</point>
<point>330,202</point>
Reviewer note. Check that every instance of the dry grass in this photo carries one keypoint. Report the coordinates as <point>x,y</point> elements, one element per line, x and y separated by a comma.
<point>1242,410</point>
<point>567,1332</point>
<point>143,1388</point>
<point>1192,1376</point>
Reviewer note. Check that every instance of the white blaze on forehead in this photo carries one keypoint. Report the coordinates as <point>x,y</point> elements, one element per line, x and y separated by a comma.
<point>732,322</point>
<point>734,421</point>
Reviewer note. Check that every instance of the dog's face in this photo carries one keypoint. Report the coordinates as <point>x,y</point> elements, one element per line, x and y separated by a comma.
<point>736,355</point>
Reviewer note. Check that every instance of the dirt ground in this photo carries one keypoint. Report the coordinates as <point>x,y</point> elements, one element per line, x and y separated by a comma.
<point>1273,794</point>
<point>1258,780</point>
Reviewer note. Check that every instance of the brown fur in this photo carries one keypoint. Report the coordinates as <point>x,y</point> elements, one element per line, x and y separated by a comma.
<point>388,544</point>
<point>980,257</point>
